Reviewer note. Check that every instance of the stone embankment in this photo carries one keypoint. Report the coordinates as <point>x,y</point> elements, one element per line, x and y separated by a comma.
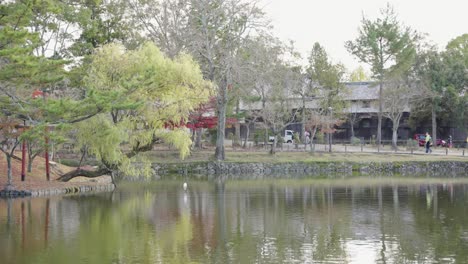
<point>57,190</point>
<point>310,168</point>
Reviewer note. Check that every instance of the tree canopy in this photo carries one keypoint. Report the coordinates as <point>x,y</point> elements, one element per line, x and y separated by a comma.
<point>147,97</point>
<point>386,46</point>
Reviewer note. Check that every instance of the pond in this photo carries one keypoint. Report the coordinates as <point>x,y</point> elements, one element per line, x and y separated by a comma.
<point>355,220</point>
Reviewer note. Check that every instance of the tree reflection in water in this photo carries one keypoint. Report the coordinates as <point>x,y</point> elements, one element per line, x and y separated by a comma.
<point>282,221</point>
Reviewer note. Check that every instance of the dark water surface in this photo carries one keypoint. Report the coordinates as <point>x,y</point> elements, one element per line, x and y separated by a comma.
<point>359,220</point>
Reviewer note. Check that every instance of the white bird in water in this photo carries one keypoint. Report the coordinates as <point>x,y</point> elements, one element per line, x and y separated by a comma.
<point>184,186</point>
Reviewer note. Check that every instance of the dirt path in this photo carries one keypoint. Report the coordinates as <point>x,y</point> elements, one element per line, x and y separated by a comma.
<point>36,180</point>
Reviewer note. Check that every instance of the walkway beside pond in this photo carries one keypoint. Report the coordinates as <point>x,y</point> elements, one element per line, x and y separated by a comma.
<point>348,148</point>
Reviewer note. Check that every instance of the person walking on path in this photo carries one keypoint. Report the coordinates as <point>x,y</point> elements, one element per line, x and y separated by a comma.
<point>428,143</point>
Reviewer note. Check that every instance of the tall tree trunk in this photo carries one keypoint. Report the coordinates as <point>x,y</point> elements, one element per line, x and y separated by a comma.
<point>273,147</point>
<point>221,112</point>
<point>112,174</point>
<point>9,185</point>
<point>379,115</point>
<point>434,124</point>
<point>303,130</point>
<point>238,125</point>
<point>192,137</point>
<point>31,156</point>
<point>394,136</point>
<point>275,141</point>
<point>303,137</point>
<point>237,131</point>
<point>247,134</point>
<point>351,123</point>
<point>311,142</point>
<point>198,136</point>
<point>396,125</point>
<point>30,163</point>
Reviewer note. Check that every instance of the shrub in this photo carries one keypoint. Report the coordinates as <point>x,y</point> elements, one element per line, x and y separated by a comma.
<point>355,141</point>
<point>320,137</point>
<point>212,134</point>
<point>279,139</point>
<point>235,140</point>
<point>258,136</point>
<point>296,138</point>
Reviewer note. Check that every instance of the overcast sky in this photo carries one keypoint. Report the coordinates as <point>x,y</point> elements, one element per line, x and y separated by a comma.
<point>332,22</point>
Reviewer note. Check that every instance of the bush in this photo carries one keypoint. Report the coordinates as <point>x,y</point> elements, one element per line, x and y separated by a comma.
<point>320,137</point>
<point>296,138</point>
<point>235,140</point>
<point>212,134</point>
<point>279,139</point>
<point>258,136</point>
<point>355,141</point>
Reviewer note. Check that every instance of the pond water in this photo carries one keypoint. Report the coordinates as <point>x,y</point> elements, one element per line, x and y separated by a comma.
<point>357,220</point>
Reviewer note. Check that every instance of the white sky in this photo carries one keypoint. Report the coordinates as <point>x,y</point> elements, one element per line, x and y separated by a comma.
<point>332,22</point>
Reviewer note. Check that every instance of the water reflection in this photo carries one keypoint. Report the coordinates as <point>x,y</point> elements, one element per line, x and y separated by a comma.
<point>293,221</point>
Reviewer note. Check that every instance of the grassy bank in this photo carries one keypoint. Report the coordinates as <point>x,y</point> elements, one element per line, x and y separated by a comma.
<point>280,157</point>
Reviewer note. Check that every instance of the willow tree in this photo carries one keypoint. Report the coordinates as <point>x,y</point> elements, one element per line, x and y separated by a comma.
<point>385,45</point>
<point>212,31</point>
<point>145,92</point>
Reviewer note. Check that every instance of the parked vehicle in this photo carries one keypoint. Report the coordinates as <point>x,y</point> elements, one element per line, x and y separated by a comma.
<point>288,136</point>
<point>421,138</point>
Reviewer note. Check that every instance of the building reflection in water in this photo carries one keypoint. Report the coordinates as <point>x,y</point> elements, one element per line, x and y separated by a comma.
<point>242,222</point>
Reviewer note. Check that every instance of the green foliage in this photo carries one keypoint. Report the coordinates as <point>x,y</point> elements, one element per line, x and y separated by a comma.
<point>140,91</point>
<point>443,77</point>
<point>212,132</point>
<point>459,46</point>
<point>296,138</point>
<point>76,163</point>
<point>235,140</point>
<point>101,23</point>
<point>22,72</point>
<point>355,141</point>
<point>36,134</point>
<point>279,139</point>
<point>384,44</point>
<point>259,136</point>
<point>359,75</point>
<point>320,136</point>
<point>20,67</point>
<point>327,78</point>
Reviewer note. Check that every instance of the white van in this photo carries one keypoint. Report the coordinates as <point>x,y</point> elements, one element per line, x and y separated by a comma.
<point>288,136</point>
